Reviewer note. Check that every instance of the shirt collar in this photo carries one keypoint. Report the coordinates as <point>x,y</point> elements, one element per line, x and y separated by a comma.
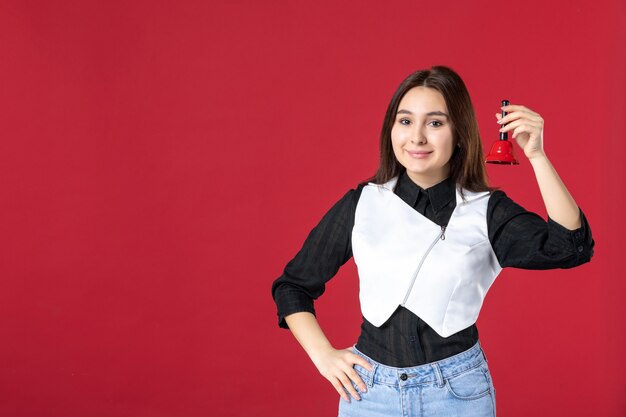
<point>439,194</point>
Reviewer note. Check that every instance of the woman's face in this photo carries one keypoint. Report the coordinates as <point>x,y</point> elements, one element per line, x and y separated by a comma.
<point>422,136</point>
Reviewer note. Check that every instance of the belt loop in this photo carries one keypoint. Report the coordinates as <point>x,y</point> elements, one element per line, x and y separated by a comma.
<point>438,374</point>
<point>370,379</point>
<point>482,352</point>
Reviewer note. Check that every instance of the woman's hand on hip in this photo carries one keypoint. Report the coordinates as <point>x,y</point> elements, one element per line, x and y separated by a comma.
<point>338,367</point>
<point>526,127</point>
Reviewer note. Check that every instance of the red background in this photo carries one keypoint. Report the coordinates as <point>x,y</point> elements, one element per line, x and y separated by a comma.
<point>160,163</point>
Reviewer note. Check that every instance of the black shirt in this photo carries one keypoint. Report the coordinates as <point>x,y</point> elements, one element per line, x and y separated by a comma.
<point>519,238</point>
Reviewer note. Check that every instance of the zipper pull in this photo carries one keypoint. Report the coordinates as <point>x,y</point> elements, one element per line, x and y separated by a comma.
<point>443,232</point>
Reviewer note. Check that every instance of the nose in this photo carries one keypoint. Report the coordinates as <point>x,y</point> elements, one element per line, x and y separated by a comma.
<point>418,137</point>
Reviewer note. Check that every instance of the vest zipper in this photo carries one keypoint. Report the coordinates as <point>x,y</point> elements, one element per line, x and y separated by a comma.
<point>442,236</point>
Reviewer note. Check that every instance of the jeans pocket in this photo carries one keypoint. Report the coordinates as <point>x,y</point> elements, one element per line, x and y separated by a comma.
<point>471,384</point>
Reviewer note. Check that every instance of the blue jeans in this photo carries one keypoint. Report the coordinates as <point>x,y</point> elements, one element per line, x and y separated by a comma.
<point>456,386</point>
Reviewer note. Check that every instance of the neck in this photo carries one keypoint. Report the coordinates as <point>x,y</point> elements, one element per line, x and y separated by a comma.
<point>427,181</point>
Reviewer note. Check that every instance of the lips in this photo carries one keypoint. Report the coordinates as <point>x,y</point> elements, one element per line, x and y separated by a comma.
<point>419,154</point>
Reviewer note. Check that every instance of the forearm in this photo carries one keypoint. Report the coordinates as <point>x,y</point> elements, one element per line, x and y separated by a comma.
<point>559,203</point>
<point>309,334</point>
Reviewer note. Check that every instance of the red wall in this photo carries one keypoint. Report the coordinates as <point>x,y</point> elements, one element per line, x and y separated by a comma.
<point>160,163</point>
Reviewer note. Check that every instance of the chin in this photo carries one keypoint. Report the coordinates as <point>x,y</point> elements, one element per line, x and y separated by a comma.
<point>419,170</point>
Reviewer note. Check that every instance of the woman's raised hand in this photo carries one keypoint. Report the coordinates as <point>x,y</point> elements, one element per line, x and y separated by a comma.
<point>527,128</point>
<point>338,367</point>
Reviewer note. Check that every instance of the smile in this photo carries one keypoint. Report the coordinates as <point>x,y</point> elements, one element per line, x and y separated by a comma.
<point>419,154</point>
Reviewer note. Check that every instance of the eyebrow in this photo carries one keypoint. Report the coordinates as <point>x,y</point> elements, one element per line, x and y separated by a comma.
<point>432,113</point>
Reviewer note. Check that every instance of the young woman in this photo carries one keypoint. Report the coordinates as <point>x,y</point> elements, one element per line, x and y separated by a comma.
<point>429,236</point>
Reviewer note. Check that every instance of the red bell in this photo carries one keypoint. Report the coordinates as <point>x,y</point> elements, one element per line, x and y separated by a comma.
<point>502,151</point>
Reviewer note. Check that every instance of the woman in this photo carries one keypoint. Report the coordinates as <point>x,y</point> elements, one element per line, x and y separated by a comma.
<point>429,236</point>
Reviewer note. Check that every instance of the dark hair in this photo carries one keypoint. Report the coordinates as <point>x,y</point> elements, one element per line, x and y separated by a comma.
<point>467,163</point>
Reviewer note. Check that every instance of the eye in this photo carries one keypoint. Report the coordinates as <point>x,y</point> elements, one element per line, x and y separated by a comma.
<point>404,121</point>
<point>436,123</point>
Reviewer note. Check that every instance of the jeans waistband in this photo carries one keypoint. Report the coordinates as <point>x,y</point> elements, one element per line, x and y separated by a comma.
<point>434,372</point>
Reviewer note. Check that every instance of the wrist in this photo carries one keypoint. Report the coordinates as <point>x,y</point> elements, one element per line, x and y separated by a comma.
<point>319,354</point>
<point>318,351</point>
<point>538,157</point>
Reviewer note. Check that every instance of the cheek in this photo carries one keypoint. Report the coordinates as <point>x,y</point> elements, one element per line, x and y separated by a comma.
<point>400,136</point>
<point>394,135</point>
<point>396,140</point>
<point>447,144</point>
<point>397,148</point>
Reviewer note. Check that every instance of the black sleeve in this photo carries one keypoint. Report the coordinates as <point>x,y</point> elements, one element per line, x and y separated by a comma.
<point>327,247</point>
<point>523,239</point>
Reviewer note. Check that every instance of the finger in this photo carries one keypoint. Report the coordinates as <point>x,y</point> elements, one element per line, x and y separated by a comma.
<point>517,123</point>
<point>525,129</point>
<point>339,387</point>
<point>356,378</point>
<point>515,107</point>
<point>359,360</point>
<point>348,386</point>
<point>520,115</point>
<point>353,359</point>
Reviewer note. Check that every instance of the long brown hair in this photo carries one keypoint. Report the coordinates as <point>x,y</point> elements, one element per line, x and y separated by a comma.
<point>466,164</point>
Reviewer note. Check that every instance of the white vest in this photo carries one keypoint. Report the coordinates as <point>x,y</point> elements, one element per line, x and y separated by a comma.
<point>405,259</point>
